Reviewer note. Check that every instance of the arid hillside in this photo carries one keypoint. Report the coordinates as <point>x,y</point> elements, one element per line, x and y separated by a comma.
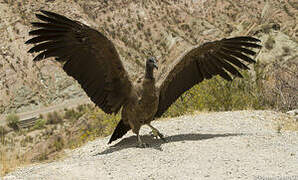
<point>162,28</point>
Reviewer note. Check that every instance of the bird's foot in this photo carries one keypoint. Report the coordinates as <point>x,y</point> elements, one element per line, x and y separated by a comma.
<point>156,134</point>
<point>140,143</point>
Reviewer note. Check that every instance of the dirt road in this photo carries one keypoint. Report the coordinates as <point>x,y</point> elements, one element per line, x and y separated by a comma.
<point>69,104</point>
<point>223,145</point>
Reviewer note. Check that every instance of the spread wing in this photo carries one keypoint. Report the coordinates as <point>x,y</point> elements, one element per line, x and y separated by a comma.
<point>88,56</point>
<point>221,57</point>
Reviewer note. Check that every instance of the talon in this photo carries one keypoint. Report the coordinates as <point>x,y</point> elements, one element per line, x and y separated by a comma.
<point>155,133</point>
<point>162,137</point>
<point>140,142</point>
<point>142,145</point>
<point>152,134</point>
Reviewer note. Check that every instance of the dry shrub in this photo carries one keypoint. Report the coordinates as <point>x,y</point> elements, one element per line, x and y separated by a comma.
<point>10,155</point>
<point>12,121</point>
<point>280,86</point>
<point>10,161</point>
<point>4,129</point>
<point>54,118</point>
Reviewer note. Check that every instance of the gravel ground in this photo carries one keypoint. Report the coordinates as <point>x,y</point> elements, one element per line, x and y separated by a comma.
<point>220,145</point>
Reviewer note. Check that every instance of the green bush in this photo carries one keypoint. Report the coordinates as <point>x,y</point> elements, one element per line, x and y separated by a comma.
<point>73,114</point>
<point>39,124</point>
<point>12,121</point>
<point>218,94</point>
<point>58,143</point>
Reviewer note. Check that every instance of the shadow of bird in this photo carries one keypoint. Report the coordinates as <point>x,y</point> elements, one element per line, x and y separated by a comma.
<point>129,142</point>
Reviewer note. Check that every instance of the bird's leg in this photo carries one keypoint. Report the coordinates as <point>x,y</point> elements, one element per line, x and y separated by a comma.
<point>140,142</point>
<point>156,133</point>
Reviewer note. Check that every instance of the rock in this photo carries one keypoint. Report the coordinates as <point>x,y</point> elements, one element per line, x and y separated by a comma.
<point>293,112</point>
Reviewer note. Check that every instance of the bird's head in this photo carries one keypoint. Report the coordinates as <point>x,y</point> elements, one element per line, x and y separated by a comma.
<point>151,63</point>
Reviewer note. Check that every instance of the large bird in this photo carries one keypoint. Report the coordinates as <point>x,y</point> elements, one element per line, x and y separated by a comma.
<point>92,59</point>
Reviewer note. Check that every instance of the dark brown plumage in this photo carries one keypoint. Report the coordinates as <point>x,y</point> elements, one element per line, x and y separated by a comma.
<point>91,59</point>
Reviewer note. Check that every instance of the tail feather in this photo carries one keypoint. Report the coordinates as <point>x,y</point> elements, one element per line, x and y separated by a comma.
<point>120,130</point>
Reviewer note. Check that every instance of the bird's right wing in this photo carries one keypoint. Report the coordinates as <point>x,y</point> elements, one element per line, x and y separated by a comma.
<point>88,56</point>
<point>203,62</point>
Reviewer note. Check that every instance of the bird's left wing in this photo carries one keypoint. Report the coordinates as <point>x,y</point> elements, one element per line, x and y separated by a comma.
<point>221,57</point>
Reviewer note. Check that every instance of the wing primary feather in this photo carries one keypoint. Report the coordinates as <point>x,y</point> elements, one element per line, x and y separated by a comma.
<point>47,32</point>
<point>220,70</point>
<point>238,55</point>
<point>43,38</point>
<point>47,19</point>
<point>47,45</point>
<point>239,49</point>
<point>61,19</point>
<point>40,56</point>
<point>49,26</point>
<point>54,52</point>
<point>232,60</point>
<point>241,43</point>
<point>227,66</point>
<point>58,21</point>
<point>243,38</point>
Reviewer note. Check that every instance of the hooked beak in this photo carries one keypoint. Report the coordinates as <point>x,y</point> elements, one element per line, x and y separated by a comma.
<point>155,65</point>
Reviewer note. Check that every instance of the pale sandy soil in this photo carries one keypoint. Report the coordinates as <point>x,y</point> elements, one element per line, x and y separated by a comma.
<point>222,145</point>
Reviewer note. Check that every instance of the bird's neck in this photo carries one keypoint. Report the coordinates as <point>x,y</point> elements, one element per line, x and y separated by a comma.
<point>149,81</point>
<point>149,73</point>
<point>148,86</point>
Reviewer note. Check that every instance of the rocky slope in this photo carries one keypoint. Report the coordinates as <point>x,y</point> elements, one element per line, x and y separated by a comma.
<point>161,28</point>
